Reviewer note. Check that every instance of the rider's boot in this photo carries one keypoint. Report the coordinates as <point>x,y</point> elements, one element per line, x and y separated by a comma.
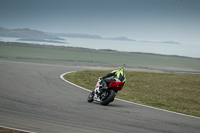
<point>104,88</point>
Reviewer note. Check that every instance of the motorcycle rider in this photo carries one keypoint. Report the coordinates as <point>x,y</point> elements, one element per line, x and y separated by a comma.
<point>118,76</point>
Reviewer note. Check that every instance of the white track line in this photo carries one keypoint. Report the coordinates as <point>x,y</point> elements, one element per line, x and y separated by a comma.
<point>17,129</point>
<point>62,77</point>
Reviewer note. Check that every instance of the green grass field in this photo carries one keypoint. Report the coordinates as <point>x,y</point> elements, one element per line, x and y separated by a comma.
<point>90,57</point>
<point>179,93</point>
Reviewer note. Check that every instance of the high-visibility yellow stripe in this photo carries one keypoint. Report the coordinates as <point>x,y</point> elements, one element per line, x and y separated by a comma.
<point>120,72</point>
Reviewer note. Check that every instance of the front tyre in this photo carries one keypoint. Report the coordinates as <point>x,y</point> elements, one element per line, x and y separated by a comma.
<point>91,97</point>
<point>109,97</point>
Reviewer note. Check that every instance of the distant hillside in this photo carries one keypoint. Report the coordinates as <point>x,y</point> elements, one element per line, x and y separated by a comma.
<point>34,35</point>
<point>89,36</point>
<point>76,35</point>
<point>26,33</point>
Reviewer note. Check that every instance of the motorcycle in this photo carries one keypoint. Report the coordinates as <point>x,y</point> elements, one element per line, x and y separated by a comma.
<point>107,95</point>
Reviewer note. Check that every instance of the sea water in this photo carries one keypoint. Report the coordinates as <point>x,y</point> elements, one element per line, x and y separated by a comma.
<point>127,46</point>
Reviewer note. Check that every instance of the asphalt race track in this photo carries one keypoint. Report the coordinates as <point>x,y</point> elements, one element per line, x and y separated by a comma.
<point>33,97</point>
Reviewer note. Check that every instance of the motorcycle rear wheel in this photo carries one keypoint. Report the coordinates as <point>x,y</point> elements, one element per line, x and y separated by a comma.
<point>109,97</point>
<point>91,97</point>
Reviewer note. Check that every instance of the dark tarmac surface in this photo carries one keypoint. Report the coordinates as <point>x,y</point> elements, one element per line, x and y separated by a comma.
<point>33,97</point>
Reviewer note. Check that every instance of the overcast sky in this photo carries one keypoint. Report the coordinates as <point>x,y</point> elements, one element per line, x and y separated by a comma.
<point>142,20</point>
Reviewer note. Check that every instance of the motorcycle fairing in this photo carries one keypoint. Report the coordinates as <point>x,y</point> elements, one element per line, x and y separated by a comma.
<point>116,85</point>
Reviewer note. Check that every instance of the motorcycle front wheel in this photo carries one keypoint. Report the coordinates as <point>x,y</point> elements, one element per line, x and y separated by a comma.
<point>90,97</point>
<point>109,97</point>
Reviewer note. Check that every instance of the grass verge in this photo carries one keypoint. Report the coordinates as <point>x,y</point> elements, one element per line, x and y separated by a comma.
<point>179,93</point>
<point>6,130</point>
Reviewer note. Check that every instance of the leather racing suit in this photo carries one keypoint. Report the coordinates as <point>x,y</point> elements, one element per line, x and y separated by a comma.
<point>118,76</point>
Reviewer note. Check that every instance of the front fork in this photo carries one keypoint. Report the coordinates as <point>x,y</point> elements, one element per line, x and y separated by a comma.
<point>96,94</point>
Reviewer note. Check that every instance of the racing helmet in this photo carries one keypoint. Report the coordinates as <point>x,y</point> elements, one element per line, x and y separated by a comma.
<point>121,69</point>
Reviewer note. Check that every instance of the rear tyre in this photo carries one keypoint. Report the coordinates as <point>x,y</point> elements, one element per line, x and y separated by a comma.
<point>90,97</point>
<point>110,95</point>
